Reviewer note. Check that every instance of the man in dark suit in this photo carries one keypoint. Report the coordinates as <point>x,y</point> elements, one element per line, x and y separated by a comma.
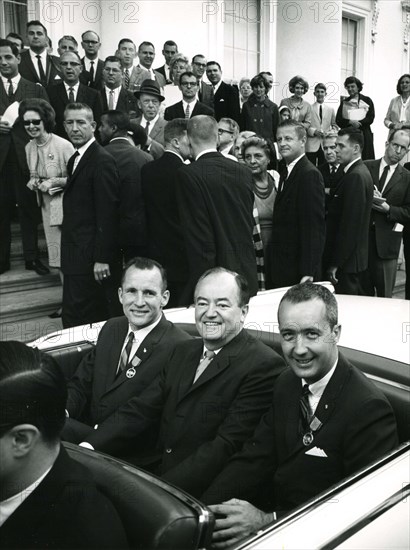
<point>103,382</point>
<point>189,106</point>
<point>205,90</point>
<point>211,393</point>
<point>47,500</point>
<point>226,97</point>
<point>347,226</point>
<point>92,65</point>
<point>215,202</point>
<point>168,51</point>
<point>129,161</point>
<point>114,95</point>
<point>165,238</point>
<point>71,90</point>
<point>390,212</point>
<point>298,230</point>
<point>406,249</point>
<point>89,234</point>
<point>14,172</point>
<point>36,64</point>
<point>327,421</point>
<point>331,170</point>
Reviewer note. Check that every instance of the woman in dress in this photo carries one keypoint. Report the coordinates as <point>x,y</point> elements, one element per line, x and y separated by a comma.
<point>47,157</point>
<point>357,111</point>
<point>398,114</point>
<point>257,154</point>
<point>179,64</point>
<point>259,113</point>
<point>300,110</point>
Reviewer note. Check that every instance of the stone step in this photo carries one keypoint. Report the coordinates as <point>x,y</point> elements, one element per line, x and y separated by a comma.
<point>30,329</point>
<point>19,279</point>
<point>17,308</point>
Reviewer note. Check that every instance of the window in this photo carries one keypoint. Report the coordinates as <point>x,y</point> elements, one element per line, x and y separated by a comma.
<point>241,38</point>
<point>14,15</point>
<point>349,47</point>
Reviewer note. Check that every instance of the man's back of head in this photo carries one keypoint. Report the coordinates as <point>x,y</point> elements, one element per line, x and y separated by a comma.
<point>176,138</point>
<point>202,133</point>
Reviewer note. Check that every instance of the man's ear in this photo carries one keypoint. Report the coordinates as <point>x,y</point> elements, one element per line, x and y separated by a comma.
<point>24,437</point>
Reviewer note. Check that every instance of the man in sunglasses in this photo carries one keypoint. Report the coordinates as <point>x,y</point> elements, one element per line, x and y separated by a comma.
<point>14,173</point>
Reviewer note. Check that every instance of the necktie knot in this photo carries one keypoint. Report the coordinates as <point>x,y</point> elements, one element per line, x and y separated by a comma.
<point>203,363</point>
<point>208,354</point>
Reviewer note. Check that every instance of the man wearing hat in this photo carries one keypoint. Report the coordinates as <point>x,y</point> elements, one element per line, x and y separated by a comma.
<point>149,101</point>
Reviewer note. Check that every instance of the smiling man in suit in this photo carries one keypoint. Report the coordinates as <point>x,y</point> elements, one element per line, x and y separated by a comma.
<point>104,381</point>
<point>327,420</point>
<point>114,95</point>
<point>189,106</point>
<point>72,91</point>
<point>209,397</point>
<point>226,97</point>
<point>205,90</point>
<point>168,51</point>
<point>89,233</point>
<point>323,121</point>
<point>36,64</point>
<point>391,183</point>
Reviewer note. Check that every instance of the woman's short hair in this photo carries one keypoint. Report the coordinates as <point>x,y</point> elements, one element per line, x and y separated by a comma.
<point>244,80</point>
<point>179,58</point>
<point>298,80</point>
<point>399,82</point>
<point>256,141</point>
<point>44,110</point>
<point>353,80</point>
<point>260,79</point>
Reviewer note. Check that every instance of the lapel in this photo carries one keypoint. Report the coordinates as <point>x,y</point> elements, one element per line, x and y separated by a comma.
<point>83,162</point>
<point>287,187</point>
<point>156,128</point>
<point>374,168</point>
<point>4,98</point>
<point>19,93</point>
<point>122,103</point>
<point>82,95</point>
<point>394,180</point>
<point>30,66</point>
<point>179,110</point>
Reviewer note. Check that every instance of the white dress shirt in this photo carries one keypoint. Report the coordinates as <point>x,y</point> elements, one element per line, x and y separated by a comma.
<point>75,89</point>
<point>34,59</point>
<point>81,152</point>
<point>116,94</point>
<point>317,388</point>
<point>390,173</point>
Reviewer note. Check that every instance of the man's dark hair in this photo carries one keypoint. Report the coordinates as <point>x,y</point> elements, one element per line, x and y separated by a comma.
<point>214,63</point>
<point>123,41</point>
<point>4,43</point>
<point>32,390</point>
<point>68,37</point>
<point>299,128</point>
<point>79,107</point>
<point>189,74</point>
<point>355,136</point>
<point>119,119</point>
<point>170,43</point>
<point>36,22</point>
<point>304,292</point>
<point>175,128</point>
<point>243,288</point>
<point>16,36</point>
<point>137,133</point>
<point>145,263</point>
<point>146,43</point>
<point>113,59</point>
<point>320,86</point>
<point>71,53</point>
<point>394,132</point>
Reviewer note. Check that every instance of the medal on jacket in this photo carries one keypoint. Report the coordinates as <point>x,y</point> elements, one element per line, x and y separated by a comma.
<point>130,373</point>
<point>314,426</point>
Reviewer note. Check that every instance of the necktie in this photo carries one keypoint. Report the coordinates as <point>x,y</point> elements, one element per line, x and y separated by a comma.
<point>41,71</point>
<point>126,352</point>
<point>10,91</point>
<point>70,163</point>
<point>187,112</point>
<point>321,114</point>
<point>382,180</point>
<point>333,169</point>
<point>204,362</point>
<point>71,98</point>
<point>127,78</point>
<point>147,128</point>
<point>91,73</point>
<point>305,411</point>
<point>111,101</point>
<point>283,178</point>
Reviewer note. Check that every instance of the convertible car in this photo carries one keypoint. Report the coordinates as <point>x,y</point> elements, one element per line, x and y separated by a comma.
<point>369,509</point>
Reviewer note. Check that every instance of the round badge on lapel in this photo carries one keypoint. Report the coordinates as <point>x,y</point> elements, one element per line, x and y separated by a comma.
<point>130,372</point>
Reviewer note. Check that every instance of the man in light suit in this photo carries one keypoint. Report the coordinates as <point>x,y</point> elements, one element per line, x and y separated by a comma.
<point>168,51</point>
<point>205,90</point>
<point>323,121</point>
<point>226,97</point>
<point>92,65</point>
<point>114,95</point>
<point>133,75</point>
<point>327,420</point>
<point>146,55</point>
<point>189,106</point>
<point>103,382</point>
<point>346,253</point>
<point>14,172</point>
<point>389,215</point>
<point>89,234</point>
<point>149,101</point>
<point>205,403</point>
<point>215,203</point>
<point>71,90</point>
<point>36,64</point>
<point>298,230</point>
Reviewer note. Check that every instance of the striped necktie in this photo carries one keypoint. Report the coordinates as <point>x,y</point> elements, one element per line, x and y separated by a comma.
<point>187,112</point>
<point>126,352</point>
<point>111,100</point>
<point>204,362</point>
<point>71,98</point>
<point>305,410</point>
<point>127,78</point>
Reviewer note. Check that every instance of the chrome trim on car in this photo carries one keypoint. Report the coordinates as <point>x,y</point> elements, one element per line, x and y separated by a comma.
<point>388,382</point>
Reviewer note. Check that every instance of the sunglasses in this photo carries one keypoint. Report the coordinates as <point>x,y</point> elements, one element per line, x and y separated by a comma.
<point>34,122</point>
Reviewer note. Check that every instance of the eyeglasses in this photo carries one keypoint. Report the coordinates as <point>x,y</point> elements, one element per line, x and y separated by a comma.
<point>33,121</point>
<point>222,131</point>
<point>199,64</point>
<point>189,84</point>
<point>90,42</point>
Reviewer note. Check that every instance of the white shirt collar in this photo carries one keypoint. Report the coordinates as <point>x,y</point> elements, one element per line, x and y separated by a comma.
<point>346,168</point>
<point>43,56</point>
<point>293,164</point>
<point>392,167</point>
<point>205,152</point>
<point>139,337</point>
<point>151,122</point>
<point>191,105</point>
<point>75,88</point>
<point>317,388</point>
<point>174,153</point>
<point>87,63</point>
<point>84,147</point>
<point>15,80</point>
<point>216,87</point>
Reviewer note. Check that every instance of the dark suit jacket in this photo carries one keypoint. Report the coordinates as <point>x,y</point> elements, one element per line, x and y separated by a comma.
<point>89,232</point>
<point>97,81</point>
<point>226,102</point>
<point>358,427</point>
<point>52,70</point>
<point>206,94</point>
<point>94,392</point>
<point>397,195</point>
<point>201,424</point>
<point>177,110</point>
<point>298,231</point>
<point>18,137</point>
<point>329,179</point>
<point>348,218</point>
<point>127,102</point>
<point>164,232</point>
<point>215,203</point>
<point>65,511</point>
<point>59,101</point>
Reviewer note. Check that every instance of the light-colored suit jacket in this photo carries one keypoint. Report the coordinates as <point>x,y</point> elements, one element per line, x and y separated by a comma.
<point>327,123</point>
<point>157,132</point>
<point>393,113</point>
<point>139,74</point>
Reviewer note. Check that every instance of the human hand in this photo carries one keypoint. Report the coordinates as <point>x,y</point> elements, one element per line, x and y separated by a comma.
<point>32,184</point>
<point>101,271</point>
<point>331,275</point>
<point>45,185</point>
<point>306,279</point>
<point>5,127</point>
<point>355,124</point>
